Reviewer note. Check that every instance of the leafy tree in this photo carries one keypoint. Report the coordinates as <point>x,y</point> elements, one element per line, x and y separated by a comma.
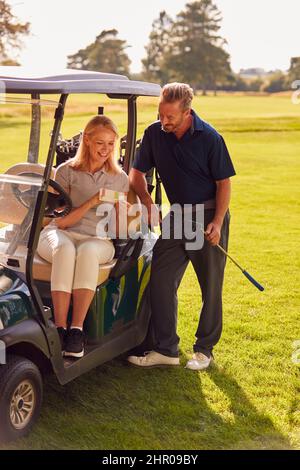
<point>10,32</point>
<point>234,82</point>
<point>255,85</point>
<point>239,84</point>
<point>8,61</point>
<point>294,70</point>
<point>196,50</point>
<point>158,49</point>
<point>276,83</point>
<point>105,54</point>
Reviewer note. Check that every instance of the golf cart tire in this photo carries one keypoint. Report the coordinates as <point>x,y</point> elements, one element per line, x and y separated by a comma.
<point>17,371</point>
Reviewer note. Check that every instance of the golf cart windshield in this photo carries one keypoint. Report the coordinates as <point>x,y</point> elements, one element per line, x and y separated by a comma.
<point>18,195</point>
<point>21,177</point>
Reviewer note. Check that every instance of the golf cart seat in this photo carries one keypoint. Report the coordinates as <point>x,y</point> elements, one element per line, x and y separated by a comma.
<point>12,212</point>
<point>41,268</point>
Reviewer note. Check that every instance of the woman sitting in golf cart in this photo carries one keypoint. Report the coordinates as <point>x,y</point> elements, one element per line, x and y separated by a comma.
<point>73,243</point>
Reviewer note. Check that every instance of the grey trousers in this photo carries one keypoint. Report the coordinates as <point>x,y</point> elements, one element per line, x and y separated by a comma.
<point>170,260</point>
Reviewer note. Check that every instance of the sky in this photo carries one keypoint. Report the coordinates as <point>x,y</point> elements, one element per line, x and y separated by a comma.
<point>260,33</point>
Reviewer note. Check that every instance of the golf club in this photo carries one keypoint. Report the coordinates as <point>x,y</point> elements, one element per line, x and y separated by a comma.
<point>248,276</point>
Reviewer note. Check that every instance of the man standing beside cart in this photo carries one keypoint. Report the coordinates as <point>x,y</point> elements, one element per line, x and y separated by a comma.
<point>195,168</point>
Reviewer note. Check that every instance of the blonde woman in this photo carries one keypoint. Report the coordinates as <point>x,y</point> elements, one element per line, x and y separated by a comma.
<point>71,243</point>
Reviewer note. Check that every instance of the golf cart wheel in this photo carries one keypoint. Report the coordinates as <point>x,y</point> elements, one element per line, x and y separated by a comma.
<point>21,391</point>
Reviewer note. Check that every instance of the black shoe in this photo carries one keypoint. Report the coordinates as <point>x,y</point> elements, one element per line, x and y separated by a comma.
<point>74,343</point>
<point>62,336</point>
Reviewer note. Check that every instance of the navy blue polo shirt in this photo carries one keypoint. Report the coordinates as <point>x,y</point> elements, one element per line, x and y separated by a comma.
<point>188,167</point>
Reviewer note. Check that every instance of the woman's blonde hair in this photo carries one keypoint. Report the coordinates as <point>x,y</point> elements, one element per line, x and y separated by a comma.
<point>81,159</point>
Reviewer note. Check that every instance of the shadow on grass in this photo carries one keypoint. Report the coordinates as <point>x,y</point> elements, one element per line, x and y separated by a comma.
<point>250,428</point>
<point>122,407</point>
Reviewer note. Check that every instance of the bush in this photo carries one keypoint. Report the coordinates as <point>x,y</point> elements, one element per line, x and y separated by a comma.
<point>276,84</point>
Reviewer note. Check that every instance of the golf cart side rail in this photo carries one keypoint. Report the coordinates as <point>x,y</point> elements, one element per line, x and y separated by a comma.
<point>39,210</point>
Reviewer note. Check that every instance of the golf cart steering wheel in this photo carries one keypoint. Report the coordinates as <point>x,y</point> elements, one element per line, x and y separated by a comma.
<point>54,201</point>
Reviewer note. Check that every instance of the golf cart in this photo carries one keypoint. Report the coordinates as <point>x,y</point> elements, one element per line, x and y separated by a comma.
<point>118,318</point>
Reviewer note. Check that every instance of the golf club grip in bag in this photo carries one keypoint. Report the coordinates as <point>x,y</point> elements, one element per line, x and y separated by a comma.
<point>158,197</point>
<point>128,257</point>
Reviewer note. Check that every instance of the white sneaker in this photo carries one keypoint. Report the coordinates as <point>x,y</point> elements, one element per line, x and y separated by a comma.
<point>199,362</point>
<point>153,359</point>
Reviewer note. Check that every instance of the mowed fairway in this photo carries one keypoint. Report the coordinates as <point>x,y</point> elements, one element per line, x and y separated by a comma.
<point>250,397</point>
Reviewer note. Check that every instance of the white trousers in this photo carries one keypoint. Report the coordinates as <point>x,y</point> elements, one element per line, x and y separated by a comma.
<point>75,258</point>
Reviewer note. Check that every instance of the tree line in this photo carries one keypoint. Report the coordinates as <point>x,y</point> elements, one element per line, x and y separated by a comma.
<point>188,48</point>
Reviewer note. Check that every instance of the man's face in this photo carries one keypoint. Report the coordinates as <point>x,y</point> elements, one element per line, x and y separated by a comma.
<point>171,116</point>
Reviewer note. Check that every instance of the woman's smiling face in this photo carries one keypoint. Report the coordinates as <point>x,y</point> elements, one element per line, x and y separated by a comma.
<point>101,144</point>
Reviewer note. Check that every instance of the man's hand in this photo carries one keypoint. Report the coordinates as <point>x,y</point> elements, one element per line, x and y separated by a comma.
<point>150,212</point>
<point>94,200</point>
<point>213,232</point>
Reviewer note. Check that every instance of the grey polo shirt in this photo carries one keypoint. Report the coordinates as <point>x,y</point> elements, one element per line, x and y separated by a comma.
<point>81,186</point>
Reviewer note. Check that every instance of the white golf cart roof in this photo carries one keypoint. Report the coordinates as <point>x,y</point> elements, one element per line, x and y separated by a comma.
<point>21,80</point>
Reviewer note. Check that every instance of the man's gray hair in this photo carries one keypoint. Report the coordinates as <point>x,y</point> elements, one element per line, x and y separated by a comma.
<point>175,91</point>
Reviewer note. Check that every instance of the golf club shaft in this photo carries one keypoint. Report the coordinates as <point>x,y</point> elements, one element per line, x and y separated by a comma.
<point>248,276</point>
<point>228,255</point>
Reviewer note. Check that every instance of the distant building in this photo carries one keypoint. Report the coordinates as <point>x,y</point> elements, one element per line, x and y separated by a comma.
<point>255,73</point>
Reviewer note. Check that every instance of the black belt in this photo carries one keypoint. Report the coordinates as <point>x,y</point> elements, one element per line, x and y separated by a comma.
<point>209,204</point>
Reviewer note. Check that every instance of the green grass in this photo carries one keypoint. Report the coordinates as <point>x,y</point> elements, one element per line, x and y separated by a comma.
<point>250,398</point>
